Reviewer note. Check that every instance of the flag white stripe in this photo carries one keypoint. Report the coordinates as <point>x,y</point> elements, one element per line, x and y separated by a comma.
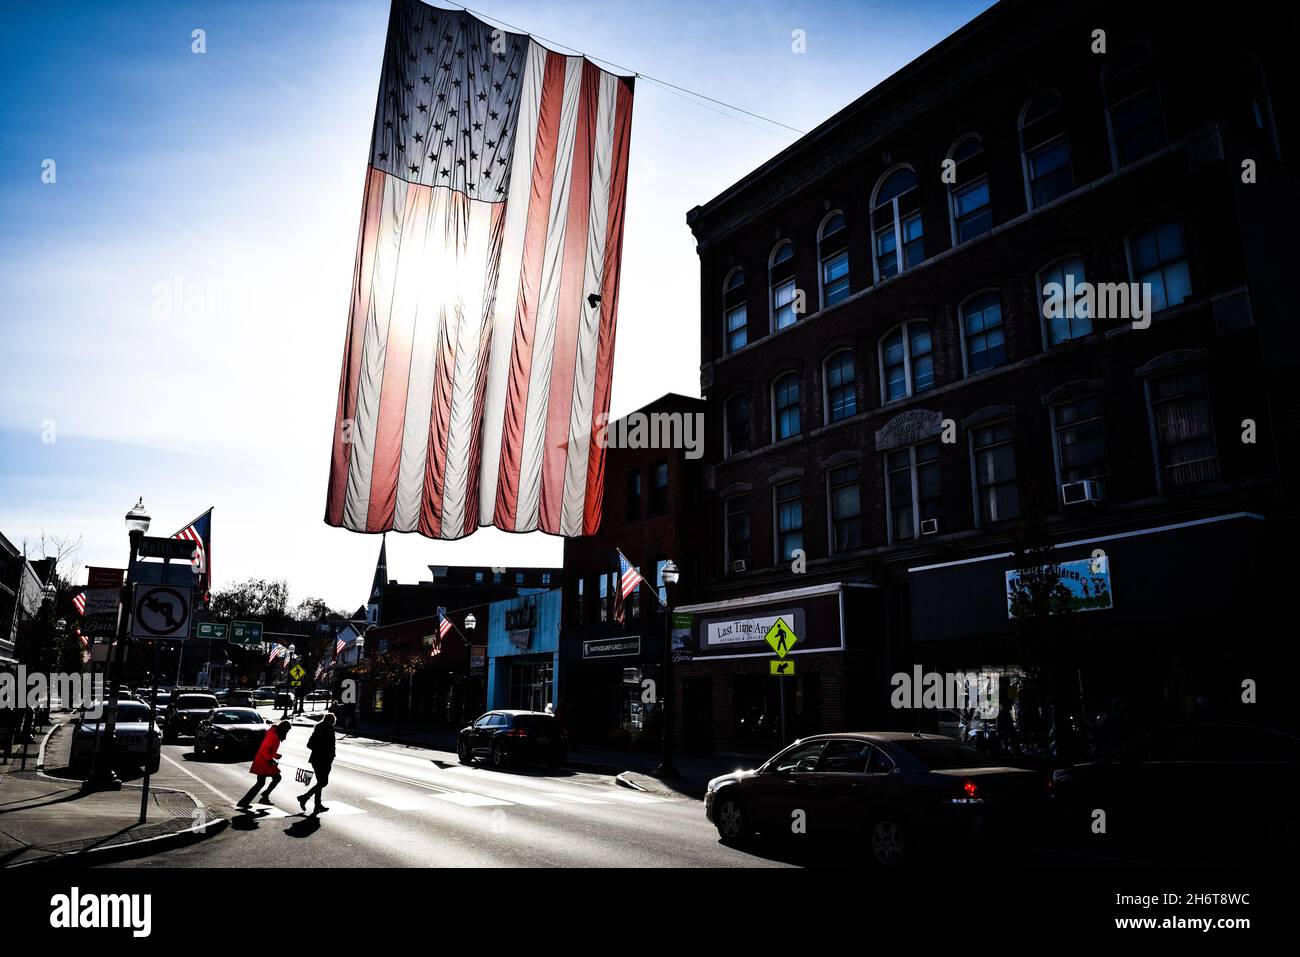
<point>512,252</point>
<point>375,343</point>
<point>584,373</point>
<point>477,265</point>
<point>539,381</point>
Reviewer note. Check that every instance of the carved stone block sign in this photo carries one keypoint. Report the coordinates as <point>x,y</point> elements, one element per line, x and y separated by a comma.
<point>908,428</point>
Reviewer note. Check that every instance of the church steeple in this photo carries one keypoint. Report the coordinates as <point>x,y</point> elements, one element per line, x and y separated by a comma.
<point>377,587</point>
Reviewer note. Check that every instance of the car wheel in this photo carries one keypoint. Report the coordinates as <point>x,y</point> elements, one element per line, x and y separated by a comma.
<point>463,752</point>
<point>498,755</point>
<point>888,844</point>
<point>733,826</point>
<point>155,765</point>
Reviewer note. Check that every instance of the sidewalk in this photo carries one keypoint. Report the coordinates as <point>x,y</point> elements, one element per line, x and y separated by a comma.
<point>45,818</point>
<point>632,767</point>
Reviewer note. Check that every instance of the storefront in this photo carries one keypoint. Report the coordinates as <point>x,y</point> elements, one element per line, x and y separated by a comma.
<point>727,695</point>
<point>607,672</point>
<point>523,652</point>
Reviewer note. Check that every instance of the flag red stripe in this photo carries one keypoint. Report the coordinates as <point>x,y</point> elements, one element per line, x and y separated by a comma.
<point>435,464</point>
<point>555,449</point>
<point>391,421</point>
<point>521,357</point>
<point>608,307</point>
<point>352,343</point>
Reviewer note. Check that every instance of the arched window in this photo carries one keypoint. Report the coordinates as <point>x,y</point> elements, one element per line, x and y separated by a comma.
<point>780,280</point>
<point>1134,115</point>
<point>736,424</point>
<point>1045,149</point>
<point>833,257</point>
<point>1066,314</point>
<point>968,196</point>
<point>735,319</point>
<point>983,343</point>
<point>906,362</point>
<point>841,387</point>
<point>898,242</point>
<point>785,407</point>
<point>1157,255</point>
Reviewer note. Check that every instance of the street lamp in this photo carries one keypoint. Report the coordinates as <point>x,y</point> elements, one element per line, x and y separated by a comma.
<point>102,777</point>
<point>470,621</point>
<point>669,575</point>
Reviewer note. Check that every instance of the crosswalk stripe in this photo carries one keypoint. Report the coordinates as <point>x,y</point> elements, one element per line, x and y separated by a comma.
<point>406,803</point>
<point>469,800</point>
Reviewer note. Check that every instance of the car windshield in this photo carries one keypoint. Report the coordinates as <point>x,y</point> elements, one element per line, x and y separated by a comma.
<point>127,713</point>
<point>236,716</point>
<point>943,755</point>
<point>195,702</point>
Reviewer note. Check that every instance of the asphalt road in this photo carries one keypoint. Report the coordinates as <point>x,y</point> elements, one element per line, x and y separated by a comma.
<point>400,806</point>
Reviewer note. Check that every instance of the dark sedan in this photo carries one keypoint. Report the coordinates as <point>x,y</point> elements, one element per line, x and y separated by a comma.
<point>185,712</point>
<point>902,793</point>
<point>1195,793</point>
<point>230,731</point>
<point>506,737</point>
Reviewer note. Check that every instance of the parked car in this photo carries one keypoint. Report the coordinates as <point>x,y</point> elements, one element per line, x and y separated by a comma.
<point>1161,791</point>
<point>185,712</point>
<point>283,700</point>
<point>506,737</point>
<point>230,731</point>
<point>902,794</point>
<point>240,699</point>
<point>319,695</point>
<point>133,745</point>
<point>266,691</point>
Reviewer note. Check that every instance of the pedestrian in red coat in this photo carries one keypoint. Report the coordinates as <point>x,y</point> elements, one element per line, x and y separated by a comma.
<point>266,765</point>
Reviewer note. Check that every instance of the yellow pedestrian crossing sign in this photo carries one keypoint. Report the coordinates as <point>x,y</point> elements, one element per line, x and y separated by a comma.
<point>780,667</point>
<point>296,672</point>
<point>781,637</point>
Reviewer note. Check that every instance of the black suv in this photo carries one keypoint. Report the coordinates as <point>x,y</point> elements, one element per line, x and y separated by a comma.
<point>505,737</point>
<point>186,710</point>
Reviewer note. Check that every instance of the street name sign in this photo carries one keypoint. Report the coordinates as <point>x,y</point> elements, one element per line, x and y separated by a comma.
<point>170,548</point>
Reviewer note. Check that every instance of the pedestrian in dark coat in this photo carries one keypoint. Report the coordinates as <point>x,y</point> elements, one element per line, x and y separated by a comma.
<point>321,746</point>
<point>266,764</point>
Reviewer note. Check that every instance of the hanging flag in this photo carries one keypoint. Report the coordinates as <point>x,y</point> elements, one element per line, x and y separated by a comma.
<point>339,646</point>
<point>479,351</point>
<point>444,623</point>
<point>199,532</point>
<point>276,652</point>
<point>628,580</point>
<point>79,603</point>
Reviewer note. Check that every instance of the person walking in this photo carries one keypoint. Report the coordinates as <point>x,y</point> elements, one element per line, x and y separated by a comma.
<point>321,746</point>
<point>266,764</point>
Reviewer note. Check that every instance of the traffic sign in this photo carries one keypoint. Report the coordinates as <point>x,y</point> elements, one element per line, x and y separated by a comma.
<point>161,612</point>
<point>782,668</point>
<point>170,548</point>
<point>246,633</point>
<point>781,637</point>
<point>216,630</point>
<point>296,672</point>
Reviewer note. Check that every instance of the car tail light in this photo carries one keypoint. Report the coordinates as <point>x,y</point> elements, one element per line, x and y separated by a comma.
<point>517,733</point>
<point>968,793</point>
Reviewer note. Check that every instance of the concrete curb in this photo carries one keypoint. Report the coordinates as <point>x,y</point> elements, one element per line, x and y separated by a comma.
<point>624,781</point>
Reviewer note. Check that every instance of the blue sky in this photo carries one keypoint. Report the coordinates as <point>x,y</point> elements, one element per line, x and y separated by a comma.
<point>174,303</point>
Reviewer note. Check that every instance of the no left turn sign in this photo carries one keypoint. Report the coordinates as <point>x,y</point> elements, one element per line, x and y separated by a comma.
<point>161,612</point>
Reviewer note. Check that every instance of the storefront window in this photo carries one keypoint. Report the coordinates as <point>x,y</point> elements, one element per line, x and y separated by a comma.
<point>633,716</point>
<point>531,685</point>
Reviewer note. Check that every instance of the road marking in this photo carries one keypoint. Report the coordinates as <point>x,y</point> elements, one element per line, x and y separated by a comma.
<point>405,803</point>
<point>469,800</point>
<point>225,797</point>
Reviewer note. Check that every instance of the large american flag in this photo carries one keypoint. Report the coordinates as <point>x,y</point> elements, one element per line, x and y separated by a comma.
<point>199,532</point>
<point>479,351</point>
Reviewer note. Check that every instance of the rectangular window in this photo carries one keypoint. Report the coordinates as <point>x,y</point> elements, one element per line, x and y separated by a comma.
<point>1180,408</point>
<point>478,578</point>
<point>841,388</point>
<point>835,278</point>
<point>633,598</point>
<point>913,241</point>
<point>603,596</point>
<point>737,328</point>
<point>1138,123</point>
<point>738,425</point>
<point>786,401</point>
<point>1050,174</point>
<point>737,532</point>
<point>1080,441</point>
<point>581,601</point>
<point>912,488</point>
<point>789,519</point>
<point>519,578</point>
<point>660,587</point>
<point>974,216</point>
<point>1066,316</point>
<point>994,454</point>
<point>783,314</point>
<point>658,503</point>
<point>844,491</point>
<point>982,325</point>
<point>1159,258</point>
<point>633,495</point>
<point>887,251</point>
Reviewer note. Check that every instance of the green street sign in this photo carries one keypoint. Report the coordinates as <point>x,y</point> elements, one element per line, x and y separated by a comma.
<point>246,633</point>
<point>216,630</point>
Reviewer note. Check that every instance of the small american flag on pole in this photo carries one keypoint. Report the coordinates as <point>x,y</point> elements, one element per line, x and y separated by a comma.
<point>628,581</point>
<point>444,623</point>
<point>79,603</point>
<point>199,532</point>
<point>276,652</point>
<point>479,352</point>
<point>339,646</point>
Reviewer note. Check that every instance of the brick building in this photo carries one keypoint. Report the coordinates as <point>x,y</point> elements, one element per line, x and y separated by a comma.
<point>904,393</point>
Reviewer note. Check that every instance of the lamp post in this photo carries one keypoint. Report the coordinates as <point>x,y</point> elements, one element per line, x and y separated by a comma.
<point>102,777</point>
<point>666,767</point>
